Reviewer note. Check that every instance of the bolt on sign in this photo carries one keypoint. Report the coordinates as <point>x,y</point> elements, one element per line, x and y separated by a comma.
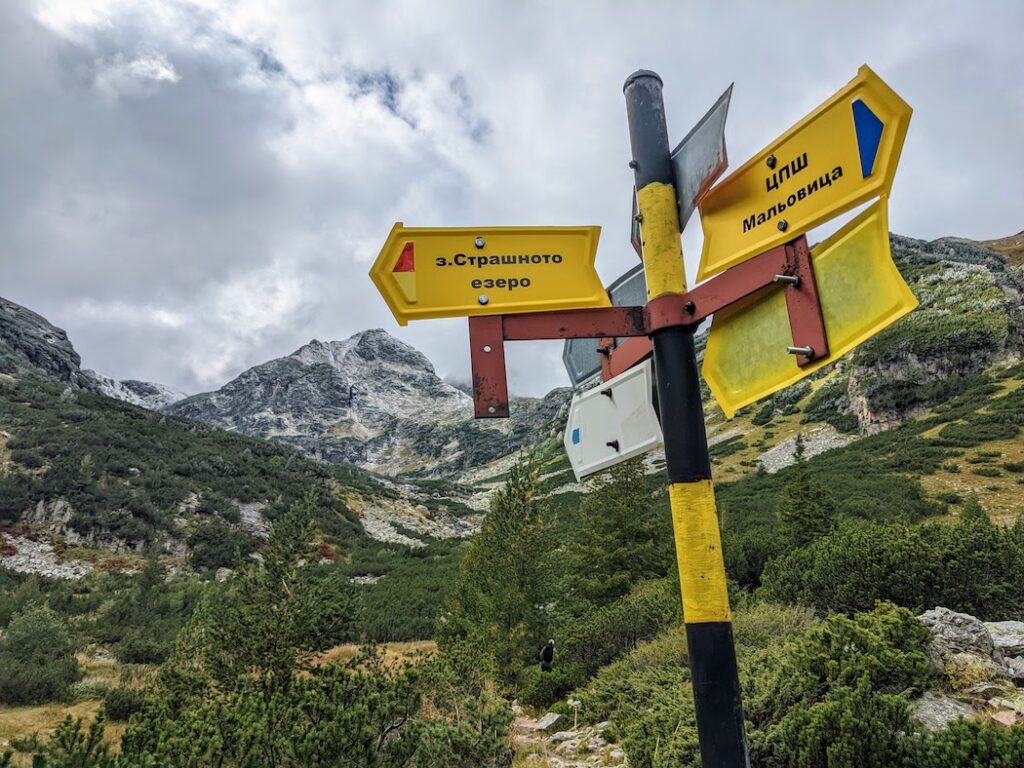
<point>860,290</point>
<point>462,272</point>
<point>841,155</point>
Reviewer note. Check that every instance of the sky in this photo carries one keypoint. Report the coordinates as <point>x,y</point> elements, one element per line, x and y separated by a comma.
<point>191,188</point>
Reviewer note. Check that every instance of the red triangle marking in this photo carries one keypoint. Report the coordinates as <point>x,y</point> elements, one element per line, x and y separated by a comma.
<point>406,261</point>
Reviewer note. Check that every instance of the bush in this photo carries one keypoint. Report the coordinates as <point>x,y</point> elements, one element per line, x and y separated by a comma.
<point>121,703</point>
<point>974,567</point>
<point>967,744</point>
<point>138,649</point>
<point>216,545</point>
<point>37,662</point>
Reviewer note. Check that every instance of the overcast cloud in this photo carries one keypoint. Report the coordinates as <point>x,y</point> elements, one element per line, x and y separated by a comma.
<point>192,188</point>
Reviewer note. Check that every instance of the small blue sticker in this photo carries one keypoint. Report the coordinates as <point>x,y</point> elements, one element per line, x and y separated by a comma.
<point>576,436</point>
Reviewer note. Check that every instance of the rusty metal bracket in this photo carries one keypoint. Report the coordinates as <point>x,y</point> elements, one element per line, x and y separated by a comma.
<point>487,356</point>
<point>806,322</point>
<point>787,265</point>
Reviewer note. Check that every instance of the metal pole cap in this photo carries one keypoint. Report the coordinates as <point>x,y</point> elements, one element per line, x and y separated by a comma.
<point>641,73</point>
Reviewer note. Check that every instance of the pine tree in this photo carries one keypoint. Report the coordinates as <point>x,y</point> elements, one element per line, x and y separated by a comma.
<point>497,602</point>
<point>805,508</point>
<point>624,536</point>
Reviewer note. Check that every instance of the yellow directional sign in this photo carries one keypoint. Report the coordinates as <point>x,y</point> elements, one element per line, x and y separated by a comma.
<point>842,154</point>
<point>451,272</point>
<point>860,290</point>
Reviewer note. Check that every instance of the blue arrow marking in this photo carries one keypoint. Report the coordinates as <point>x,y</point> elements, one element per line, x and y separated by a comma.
<point>576,436</point>
<point>869,135</point>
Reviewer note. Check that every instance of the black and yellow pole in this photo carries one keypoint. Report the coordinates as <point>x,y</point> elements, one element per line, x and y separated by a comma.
<point>716,687</point>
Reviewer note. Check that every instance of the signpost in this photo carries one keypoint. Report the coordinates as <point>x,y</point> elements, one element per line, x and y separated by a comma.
<point>442,272</point>
<point>841,155</point>
<point>780,312</point>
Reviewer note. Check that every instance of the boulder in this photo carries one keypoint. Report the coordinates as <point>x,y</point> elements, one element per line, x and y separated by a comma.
<point>1007,636</point>
<point>563,736</point>
<point>1015,668</point>
<point>935,711</point>
<point>954,633</point>
<point>549,722</point>
<point>1005,717</point>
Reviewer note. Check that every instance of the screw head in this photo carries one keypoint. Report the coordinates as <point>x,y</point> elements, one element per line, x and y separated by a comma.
<point>487,347</point>
<point>634,164</point>
<point>783,225</point>
<point>770,160</point>
<point>491,409</point>
<point>483,298</point>
<point>479,242</point>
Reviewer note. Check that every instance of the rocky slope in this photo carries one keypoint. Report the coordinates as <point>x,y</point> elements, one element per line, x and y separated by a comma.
<point>142,393</point>
<point>373,401</point>
<point>984,665</point>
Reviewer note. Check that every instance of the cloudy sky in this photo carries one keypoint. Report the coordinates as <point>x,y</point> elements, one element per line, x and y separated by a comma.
<point>193,187</point>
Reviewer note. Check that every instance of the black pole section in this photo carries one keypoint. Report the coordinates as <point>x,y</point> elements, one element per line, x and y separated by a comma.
<point>712,653</point>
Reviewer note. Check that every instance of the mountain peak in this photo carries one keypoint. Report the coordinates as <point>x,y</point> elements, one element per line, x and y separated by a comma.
<point>373,345</point>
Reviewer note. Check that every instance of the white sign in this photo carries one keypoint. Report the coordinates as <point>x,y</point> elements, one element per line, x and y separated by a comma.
<point>613,422</point>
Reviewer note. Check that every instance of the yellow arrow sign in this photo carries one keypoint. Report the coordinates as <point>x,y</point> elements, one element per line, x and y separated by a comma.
<point>844,153</point>
<point>860,290</point>
<point>452,272</point>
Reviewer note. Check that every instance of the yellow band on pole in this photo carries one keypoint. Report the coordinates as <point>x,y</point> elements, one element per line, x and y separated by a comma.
<point>663,253</point>
<point>699,552</point>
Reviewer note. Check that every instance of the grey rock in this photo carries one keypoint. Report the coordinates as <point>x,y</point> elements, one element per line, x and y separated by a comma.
<point>563,736</point>
<point>549,722</point>
<point>954,632</point>
<point>39,557</point>
<point>935,712</point>
<point>988,689</point>
<point>816,440</point>
<point>29,342</point>
<point>1015,668</point>
<point>1007,636</point>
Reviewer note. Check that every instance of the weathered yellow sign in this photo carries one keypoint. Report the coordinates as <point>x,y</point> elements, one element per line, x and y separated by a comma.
<point>842,154</point>
<point>861,292</point>
<point>453,272</point>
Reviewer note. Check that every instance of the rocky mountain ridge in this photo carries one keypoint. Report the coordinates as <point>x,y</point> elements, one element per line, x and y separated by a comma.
<point>373,401</point>
<point>28,341</point>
